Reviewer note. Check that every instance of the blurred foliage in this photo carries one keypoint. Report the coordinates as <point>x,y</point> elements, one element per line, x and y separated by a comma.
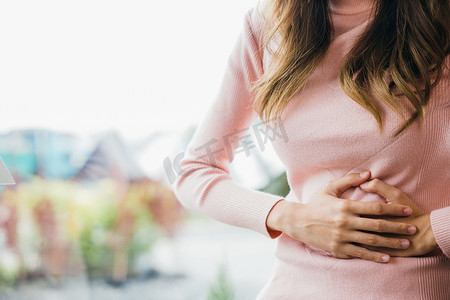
<point>278,186</point>
<point>222,289</point>
<point>49,223</point>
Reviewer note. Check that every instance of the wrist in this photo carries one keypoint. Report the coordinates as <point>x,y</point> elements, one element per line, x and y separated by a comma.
<point>431,237</point>
<point>277,217</point>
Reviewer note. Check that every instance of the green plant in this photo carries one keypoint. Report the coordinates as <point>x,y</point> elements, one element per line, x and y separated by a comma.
<point>110,223</point>
<point>222,289</point>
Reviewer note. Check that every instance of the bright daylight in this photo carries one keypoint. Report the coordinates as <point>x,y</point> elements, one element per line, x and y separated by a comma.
<point>95,96</point>
<point>224,150</point>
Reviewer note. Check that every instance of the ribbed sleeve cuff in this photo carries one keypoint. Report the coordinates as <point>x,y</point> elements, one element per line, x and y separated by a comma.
<point>243,207</point>
<point>264,210</point>
<point>440,224</point>
<point>227,201</point>
<point>273,233</point>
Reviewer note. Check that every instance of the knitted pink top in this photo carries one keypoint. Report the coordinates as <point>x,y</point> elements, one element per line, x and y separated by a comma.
<point>323,135</point>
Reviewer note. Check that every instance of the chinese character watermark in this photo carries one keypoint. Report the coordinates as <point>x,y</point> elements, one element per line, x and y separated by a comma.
<point>235,142</point>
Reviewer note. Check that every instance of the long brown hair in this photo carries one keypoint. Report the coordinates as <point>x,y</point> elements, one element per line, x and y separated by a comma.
<point>407,39</point>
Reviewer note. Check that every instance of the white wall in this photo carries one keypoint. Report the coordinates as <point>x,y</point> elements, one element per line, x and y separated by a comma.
<point>135,66</point>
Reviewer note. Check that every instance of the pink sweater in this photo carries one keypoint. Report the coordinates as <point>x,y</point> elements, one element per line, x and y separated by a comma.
<point>324,135</point>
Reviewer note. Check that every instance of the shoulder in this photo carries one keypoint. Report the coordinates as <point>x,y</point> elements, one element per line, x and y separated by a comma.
<point>256,27</point>
<point>255,20</point>
<point>257,15</point>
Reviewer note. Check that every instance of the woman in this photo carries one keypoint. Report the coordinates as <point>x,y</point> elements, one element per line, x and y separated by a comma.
<point>345,86</point>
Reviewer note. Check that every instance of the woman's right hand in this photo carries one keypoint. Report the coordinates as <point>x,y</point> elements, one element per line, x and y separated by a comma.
<point>334,224</point>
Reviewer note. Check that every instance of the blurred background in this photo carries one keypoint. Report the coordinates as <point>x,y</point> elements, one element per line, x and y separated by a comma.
<point>96,96</point>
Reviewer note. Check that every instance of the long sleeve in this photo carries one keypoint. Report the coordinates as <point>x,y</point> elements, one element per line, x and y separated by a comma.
<point>204,183</point>
<point>440,224</point>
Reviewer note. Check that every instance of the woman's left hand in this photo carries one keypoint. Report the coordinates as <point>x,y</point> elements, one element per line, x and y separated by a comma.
<point>423,241</point>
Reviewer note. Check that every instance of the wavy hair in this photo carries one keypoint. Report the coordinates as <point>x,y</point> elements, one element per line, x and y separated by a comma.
<point>407,40</point>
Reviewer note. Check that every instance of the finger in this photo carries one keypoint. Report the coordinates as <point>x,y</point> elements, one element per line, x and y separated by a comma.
<point>376,240</point>
<point>383,189</point>
<point>361,252</point>
<point>343,256</point>
<point>390,193</point>
<point>391,252</point>
<point>338,186</point>
<point>374,208</point>
<point>380,225</point>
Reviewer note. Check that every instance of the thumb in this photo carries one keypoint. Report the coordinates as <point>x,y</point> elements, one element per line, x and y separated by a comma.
<point>338,186</point>
<point>392,194</point>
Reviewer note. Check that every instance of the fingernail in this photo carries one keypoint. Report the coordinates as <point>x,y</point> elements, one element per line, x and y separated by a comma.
<point>364,185</point>
<point>412,229</point>
<point>364,174</point>
<point>405,244</point>
<point>407,211</point>
<point>385,258</point>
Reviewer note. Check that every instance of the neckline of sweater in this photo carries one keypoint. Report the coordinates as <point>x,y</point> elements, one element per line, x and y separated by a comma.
<point>350,7</point>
